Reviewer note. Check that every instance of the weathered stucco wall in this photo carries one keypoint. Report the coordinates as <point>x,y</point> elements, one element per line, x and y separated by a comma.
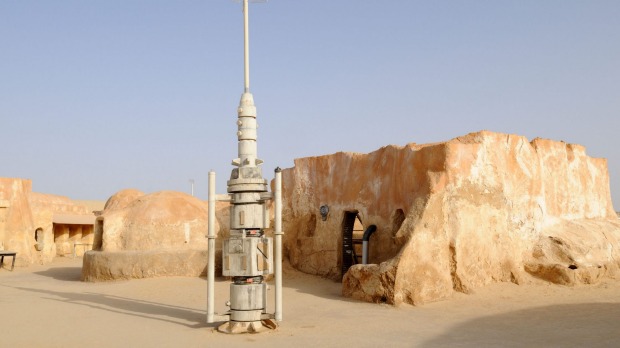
<point>64,227</point>
<point>16,223</point>
<point>27,223</point>
<point>161,220</point>
<point>477,209</point>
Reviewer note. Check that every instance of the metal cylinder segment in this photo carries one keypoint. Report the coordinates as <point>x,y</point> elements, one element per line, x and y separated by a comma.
<point>247,297</point>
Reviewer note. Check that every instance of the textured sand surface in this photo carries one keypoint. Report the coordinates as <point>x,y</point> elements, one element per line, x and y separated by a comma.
<point>47,306</point>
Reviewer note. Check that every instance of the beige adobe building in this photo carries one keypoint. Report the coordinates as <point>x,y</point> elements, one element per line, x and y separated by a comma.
<point>40,227</point>
<point>453,217</point>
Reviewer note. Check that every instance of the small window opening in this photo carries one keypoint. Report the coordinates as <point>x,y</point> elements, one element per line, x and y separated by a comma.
<point>38,238</point>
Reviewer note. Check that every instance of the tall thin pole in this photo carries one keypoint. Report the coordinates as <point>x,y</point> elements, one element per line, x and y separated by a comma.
<point>278,236</point>
<point>211,251</point>
<point>246,45</point>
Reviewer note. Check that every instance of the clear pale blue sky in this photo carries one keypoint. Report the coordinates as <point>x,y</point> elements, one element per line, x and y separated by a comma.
<point>97,96</point>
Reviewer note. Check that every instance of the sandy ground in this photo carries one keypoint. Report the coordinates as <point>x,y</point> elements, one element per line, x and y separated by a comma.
<point>47,306</point>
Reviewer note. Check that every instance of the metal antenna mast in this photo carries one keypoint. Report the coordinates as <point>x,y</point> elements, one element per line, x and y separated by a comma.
<point>246,46</point>
<point>248,254</point>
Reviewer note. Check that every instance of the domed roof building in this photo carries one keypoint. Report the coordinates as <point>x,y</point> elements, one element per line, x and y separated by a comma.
<point>122,198</point>
<point>138,235</point>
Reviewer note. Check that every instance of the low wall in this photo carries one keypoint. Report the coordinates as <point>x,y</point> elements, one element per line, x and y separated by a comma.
<point>105,266</point>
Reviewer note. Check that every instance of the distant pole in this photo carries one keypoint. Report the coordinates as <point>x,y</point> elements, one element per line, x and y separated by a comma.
<point>191,182</point>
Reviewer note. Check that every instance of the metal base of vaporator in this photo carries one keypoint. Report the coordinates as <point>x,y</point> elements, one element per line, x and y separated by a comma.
<point>238,327</point>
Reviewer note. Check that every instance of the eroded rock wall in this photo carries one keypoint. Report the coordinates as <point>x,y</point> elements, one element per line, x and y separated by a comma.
<point>380,186</point>
<point>476,209</point>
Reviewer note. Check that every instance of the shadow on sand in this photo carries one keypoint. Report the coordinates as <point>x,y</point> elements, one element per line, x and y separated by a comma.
<point>71,274</point>
<point>127,306</point>
<point>569,325</point>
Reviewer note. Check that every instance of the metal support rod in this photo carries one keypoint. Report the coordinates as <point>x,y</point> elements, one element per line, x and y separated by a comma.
<point>278,242</point>
<point>246,45</point>
<point>211,250</point>
<point>365,239</point>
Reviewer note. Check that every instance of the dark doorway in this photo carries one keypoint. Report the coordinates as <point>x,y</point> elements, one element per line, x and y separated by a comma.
<point>98,234</point>
<point>352,231</point>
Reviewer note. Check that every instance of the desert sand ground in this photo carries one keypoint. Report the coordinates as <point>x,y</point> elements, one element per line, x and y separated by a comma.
<point>48,306</point>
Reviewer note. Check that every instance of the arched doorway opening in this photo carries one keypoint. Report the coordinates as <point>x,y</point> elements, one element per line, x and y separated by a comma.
<point>352,232</point>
